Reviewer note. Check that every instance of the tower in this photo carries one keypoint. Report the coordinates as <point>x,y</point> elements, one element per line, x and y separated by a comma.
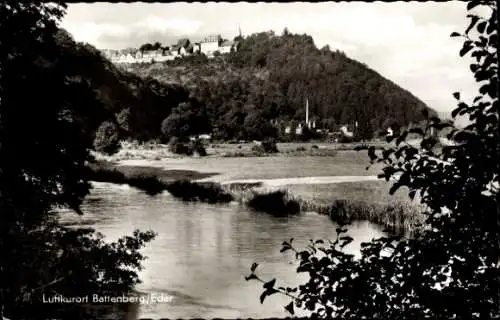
<point>307,112</point>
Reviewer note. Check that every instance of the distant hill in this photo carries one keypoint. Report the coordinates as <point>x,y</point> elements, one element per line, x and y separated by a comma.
<point>273,75</point>
<point>249,94</point>
<point>136,104</point>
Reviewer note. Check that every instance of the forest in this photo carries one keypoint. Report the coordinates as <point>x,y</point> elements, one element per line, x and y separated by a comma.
<point>251,94</point>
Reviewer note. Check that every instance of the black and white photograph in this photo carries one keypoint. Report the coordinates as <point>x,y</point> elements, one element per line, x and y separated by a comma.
<point>312,160</point>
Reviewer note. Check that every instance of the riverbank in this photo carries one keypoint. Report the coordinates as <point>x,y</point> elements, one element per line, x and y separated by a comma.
<point>351,204</point>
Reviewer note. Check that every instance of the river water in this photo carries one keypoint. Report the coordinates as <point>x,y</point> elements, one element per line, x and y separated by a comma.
<point>203,252</point>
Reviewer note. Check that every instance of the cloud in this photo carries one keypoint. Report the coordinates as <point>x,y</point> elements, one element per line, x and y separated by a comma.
<point>116,36</point>
<point>407,43</point>
<point>182,26</point>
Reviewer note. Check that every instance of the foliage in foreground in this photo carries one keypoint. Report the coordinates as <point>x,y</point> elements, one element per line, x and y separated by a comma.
<point>44,150</point>
<point>449,270</point>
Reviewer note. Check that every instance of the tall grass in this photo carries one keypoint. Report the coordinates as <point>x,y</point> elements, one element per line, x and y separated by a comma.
<point>396,216</point>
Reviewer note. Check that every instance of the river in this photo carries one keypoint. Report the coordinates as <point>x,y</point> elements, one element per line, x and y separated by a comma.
<point>203,252</point>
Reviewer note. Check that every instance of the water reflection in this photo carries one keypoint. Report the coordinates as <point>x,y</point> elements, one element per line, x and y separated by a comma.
<point>203,252</point>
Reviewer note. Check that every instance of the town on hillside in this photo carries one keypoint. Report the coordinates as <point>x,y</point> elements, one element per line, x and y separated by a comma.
<point>210,46</point>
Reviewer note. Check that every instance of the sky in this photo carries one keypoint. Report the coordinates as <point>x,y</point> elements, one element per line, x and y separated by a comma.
<point>406,42</point>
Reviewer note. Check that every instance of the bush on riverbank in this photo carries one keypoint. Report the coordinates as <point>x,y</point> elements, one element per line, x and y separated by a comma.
<point>203,192</point>
<point>277,203</point>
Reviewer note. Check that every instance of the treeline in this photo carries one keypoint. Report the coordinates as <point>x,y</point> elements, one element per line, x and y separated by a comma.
<point>249,94</point>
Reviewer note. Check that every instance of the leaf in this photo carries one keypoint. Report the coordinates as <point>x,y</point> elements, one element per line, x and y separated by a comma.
<point>456,95</point>
<point>284,249</point>
<point>455,34</point>
<point>319,241</point>
<point>394,188</point>
<point>481,26</point>
<point>270,284</point>
<point>474,67</point>
<point>471,5</point>
<point>266,293</point>
<point>250,277</point>
<point>473,20</point>
<point>254,266</point>
<point>466,48</point>
<point>263,297</point>
<point>289,308</point>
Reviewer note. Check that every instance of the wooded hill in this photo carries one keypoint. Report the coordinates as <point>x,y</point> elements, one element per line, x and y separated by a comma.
<point>271,76</point>
<point>236,96</point>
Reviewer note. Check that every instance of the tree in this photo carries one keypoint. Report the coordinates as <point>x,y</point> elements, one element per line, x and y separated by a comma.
<point>43,156</point>
<point>258,127</point>
<point>156,46</point>
<point>124,119</point>
<point>449,268</point>
<point>184,120</point>
<point>146,47</point>
<point>107,139</point>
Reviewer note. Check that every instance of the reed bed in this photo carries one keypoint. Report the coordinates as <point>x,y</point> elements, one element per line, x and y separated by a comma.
<point>396,216</point>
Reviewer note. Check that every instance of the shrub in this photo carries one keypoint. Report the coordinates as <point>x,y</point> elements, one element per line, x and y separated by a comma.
<point>276,203</point>
<point>176,146</point>
<point>204,192</point>
<point>107,138</point>
<point>197,147</point>
<point>267,146</point>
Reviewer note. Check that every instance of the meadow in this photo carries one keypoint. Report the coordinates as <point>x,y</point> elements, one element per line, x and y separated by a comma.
<point>157,151</point>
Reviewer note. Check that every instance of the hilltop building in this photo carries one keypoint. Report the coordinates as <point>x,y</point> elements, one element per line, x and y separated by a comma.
<point>210,44</point>
<point>184,47</point>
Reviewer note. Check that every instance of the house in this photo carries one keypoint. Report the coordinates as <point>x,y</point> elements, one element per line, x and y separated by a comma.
<point>183,47</point>
<point>390,132</point>
<point>205,136</point>
<point>175,50</point>
<point>149,56</point>
<point>210,44</point>
<point>345,131</point>
<point>196,47</point>
<point>299,129</point>
<point>228,46</point>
